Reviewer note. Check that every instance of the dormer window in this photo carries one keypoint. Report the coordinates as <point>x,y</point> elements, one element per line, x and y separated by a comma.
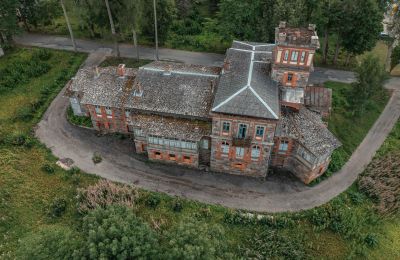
<point>138,92</point>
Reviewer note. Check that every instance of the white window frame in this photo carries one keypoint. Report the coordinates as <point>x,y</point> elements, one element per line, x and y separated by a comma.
<point>239,152</point>
<point>263,132</point>
<point>127,113</point>
<point>98,111</point>
<point>255,152</point>
<point>294,57</point>
<point>109,112</point>
<point>286,55</point>
<point>303,57</point>
<point>246,132</point>
<point>225,146</point>
<point>283,146</point>
<point>229,126</point>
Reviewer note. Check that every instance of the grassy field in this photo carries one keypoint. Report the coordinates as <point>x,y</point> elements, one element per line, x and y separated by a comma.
<point>28,188</point>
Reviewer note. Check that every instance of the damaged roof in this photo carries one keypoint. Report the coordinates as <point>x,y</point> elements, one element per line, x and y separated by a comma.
<point>245,86</point>
<point>169,127</point>
<point>309,130</point>
<point>105,88</point>
<point>175,88</point>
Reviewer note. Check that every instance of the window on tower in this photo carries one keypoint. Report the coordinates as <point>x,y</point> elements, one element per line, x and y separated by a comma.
<point>295,55</point>
<point>290,77</point>
<point>286,55</point>
<point>303,57</point>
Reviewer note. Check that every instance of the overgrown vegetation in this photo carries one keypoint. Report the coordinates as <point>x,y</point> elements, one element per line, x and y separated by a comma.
<point>78,120</point>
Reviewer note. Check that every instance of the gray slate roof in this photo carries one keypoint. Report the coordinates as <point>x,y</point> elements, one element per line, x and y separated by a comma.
<point>106,89</point>
<point>246,88</point>
<point>184,129</point>
<point>308,129</point>
<point>174,88</point>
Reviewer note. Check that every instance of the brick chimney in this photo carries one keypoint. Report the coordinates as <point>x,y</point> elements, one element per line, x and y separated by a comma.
<point>121,70</point>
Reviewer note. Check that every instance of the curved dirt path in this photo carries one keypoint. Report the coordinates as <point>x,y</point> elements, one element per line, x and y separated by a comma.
<point>276,194</point>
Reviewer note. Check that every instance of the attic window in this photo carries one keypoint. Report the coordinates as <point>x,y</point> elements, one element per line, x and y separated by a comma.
<point>138,93</point>
<point>167,73</point>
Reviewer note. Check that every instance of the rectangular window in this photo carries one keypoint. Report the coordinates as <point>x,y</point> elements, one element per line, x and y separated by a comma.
<point>225,147</point>
<point>239,152</point>
<point>290,77</point>
<point>138,132</point>
<point>205,144</point>
<point>108,111</point>
<point>255,152</point>
<point>242,131</point>
<point>98,110</point>
<point>226,126</point>
<point>127,113</point>
<point>260,131</point>
<point>286,55</point>
<point>172,157</point>
<point>303,57</point>
<point>295,56</point>
<point>283,147</point>
<point>186,159</point>
<point>130,128</point>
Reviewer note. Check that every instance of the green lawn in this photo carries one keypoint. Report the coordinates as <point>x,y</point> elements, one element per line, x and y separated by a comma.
<point>334,231</point>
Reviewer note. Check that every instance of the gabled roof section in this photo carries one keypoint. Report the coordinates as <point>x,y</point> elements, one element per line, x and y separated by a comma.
<point>245,86</point>
<point>177,89</point>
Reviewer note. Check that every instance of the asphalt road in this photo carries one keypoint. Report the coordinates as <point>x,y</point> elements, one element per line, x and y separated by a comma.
<point>201,58</point>
<point>277,193</point>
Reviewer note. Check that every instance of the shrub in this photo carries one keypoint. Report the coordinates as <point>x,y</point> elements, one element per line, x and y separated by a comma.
<point>48,168</point>
<point>371,240</point>
<point>53,242</point>
<point>195,240</point>
<point>116,233</point>
<point>152,200</point>
<point>238,218</point>
<point>57,208</point>
<point>18,139</point>
<point>177,205</point>
<point>105,193</point>
<point>97,158</point>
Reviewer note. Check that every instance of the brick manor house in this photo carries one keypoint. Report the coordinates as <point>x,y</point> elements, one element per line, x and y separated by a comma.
<point>255,112</point>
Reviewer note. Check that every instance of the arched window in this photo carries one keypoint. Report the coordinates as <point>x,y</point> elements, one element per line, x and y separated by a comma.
<point>286,55</point>
<point>225,147</point>
<point>255,152</point>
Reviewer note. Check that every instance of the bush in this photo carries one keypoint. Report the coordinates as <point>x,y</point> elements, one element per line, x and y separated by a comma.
<point>177,205</point>
<point>48,168</point>
<point>18,139</point>
<point>116,233</point>
<point>96,158</point>
<point>42,54</point>
<point>152,200</point>
<point>196,240</point>
<point>105,193</point>
<point>371,240</point>
<point>57,208</point>
<point>53,242</point>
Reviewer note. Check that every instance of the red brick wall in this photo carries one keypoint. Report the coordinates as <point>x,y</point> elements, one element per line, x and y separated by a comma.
<point>114,123</point>
<point>245,165</point>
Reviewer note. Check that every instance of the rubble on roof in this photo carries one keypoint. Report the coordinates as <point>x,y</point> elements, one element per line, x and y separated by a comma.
<point>169,127</point>
<point>105,88</point>
<point>309,130</point>
<point>185,90</point>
